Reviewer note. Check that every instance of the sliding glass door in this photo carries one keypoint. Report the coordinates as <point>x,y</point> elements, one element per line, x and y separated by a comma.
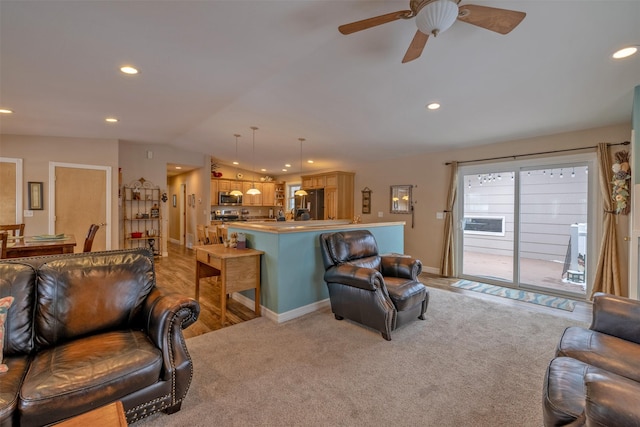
<point>526,225</point>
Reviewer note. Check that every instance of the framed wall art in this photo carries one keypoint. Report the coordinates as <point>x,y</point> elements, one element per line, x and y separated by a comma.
<point>36,200</point>
<point>366,200</point>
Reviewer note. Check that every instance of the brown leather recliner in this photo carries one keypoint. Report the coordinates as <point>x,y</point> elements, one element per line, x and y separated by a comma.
<point>595,378</point>
<point>381,292</point>
<point>88,329</point>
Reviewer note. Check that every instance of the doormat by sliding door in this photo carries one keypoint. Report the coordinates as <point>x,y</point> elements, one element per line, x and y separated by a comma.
<point>516,294</point>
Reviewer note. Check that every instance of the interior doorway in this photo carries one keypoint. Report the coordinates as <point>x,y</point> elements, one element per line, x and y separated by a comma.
<point>526,224</point>
<point>10,190</point>
<point>80,196</point>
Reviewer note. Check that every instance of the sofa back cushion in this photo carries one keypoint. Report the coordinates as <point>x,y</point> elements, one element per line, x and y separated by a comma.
<point>357,247</point>
<point>88,293</point>
<point>18,280</point>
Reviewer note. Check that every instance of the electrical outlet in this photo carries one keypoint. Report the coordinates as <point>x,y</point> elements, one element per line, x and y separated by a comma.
<point>439,215</point>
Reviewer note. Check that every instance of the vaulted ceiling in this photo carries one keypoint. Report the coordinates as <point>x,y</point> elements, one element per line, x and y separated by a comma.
<point>212,68</point>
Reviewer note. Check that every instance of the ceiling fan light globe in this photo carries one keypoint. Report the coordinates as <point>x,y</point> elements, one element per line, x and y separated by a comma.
<point>437,16</point>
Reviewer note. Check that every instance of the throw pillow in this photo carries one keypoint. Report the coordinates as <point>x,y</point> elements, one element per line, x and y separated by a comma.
<point>5,303</point>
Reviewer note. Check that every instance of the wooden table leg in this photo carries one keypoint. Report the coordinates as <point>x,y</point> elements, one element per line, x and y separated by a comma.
<point>223,292</point>
<point>198,281</point>
<point>257,290</point>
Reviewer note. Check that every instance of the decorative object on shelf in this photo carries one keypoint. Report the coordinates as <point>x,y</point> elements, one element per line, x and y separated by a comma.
<point>164,198</point>
<point>155,211</point>
<point>35,196</point>
<point>366,200</point>
<point>236,191</point>
<point>253,190</point>
<point>214,169</point>
<point>300,192</point>
<point>621,177</point>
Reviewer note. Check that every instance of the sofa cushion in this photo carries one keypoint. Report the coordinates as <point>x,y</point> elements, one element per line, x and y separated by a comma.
<point>10,387</point>
<point>82,295</point>
<point>84,374</point>
<point>5,303</point>
<point>18,280</point>
<point>348,246</point>
<point>604,351</point>
<point>405,293</point>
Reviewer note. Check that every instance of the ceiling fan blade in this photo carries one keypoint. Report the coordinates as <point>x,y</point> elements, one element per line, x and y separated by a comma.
<point>373,22</point>
<point>499,20</point>
<point>416,47</point>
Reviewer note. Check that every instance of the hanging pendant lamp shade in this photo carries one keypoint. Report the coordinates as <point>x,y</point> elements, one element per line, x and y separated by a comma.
<point>437,16</point>
<point>253,190</point>
<point>300,192</point>
<point>236,191</point>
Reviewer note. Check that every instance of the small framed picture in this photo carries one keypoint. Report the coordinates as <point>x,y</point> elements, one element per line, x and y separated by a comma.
<point>175,200</point>
<point>36,202</point>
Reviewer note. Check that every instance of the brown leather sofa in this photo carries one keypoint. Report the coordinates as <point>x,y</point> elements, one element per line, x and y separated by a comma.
<point>595,378</point>
<point>381,292</point>
<point>88,329</point>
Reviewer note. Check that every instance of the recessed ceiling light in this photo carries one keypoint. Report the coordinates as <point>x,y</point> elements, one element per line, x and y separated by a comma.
<point>309,161</point>
<point>625,52</point>
<point>5,111</point>
<point>287,165</point>
<point>111,120</point>
<point>128,69</point>
<point>178,167</point>
<point>263,170</point>
<point>284,170</point>
<point>236,163</point>
<point>433,106</point>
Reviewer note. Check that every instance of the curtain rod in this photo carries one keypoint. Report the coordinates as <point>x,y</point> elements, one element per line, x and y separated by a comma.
<point>537,154</point>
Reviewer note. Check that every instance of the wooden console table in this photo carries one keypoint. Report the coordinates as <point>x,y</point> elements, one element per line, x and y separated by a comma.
<point>239,270</point>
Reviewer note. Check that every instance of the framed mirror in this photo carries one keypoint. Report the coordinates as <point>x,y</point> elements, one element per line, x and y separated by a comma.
<point>401,199</point>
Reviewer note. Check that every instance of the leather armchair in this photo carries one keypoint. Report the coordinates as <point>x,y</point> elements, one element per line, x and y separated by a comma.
<point>381,292</point>
<point>595,377</point>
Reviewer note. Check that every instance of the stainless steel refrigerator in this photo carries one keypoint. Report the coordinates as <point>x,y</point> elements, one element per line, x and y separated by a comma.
<point>314,201</point>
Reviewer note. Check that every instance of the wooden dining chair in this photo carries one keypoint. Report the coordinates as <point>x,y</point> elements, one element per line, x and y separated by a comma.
<point>88,241</point>
<point>212,232</point>
<point>201,234</point>
<point>15,229</point>
<point>3,244</point>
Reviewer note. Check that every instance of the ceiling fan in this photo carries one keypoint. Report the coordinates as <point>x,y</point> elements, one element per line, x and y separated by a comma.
<point>436,16</point>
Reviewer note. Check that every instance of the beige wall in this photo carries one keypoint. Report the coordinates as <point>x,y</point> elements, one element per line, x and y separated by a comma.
<point>430,176</point>
<point>136,163</point>
<point>38,151</point>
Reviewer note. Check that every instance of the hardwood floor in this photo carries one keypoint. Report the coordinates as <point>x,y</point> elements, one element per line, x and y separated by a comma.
<point>177,273</point>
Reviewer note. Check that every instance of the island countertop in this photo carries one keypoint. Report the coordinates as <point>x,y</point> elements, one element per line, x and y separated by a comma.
<point>280,227</point>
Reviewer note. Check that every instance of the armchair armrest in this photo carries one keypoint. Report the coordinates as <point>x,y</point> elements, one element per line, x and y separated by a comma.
<point>611,401</point>
<point>165,316</point>
<point>398,266</point>
<point>368,279</point>
<point>616,316</point>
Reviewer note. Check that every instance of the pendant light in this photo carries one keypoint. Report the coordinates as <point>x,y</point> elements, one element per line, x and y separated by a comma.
<point>300,192</point>
<point>236,191</point>
<point>253,190</point>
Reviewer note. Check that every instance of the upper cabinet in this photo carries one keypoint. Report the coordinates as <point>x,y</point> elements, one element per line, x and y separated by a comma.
<point>268,197</point>
<point>338,192</point>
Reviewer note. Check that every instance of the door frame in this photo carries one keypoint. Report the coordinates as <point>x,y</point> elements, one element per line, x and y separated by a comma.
<point>19,183</point>
<point>52,195</point>
<point>594,223</point>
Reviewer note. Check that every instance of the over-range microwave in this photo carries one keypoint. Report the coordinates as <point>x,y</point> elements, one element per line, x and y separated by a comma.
<point>226,199</point>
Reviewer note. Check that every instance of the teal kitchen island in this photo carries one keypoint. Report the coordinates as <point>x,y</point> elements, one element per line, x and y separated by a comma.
<point>292,273</point>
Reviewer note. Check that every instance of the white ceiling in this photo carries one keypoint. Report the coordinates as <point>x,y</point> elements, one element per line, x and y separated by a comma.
<point>211,68</point>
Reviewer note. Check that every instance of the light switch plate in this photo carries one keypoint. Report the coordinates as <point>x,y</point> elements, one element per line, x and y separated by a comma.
<point>439,215</point>
<point>27,214</point>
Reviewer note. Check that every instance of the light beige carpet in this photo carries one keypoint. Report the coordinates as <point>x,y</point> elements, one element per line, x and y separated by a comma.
<point>471,363</point>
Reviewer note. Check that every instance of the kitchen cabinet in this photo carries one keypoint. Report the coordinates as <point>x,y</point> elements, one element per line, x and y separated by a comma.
<point>224,185</point>
<point>268,193</point>
<point>338,192</point>
<point>251,199</point>
<point>213,191</point>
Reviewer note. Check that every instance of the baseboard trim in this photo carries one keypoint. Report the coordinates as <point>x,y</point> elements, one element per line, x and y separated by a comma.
<point>282,317</point>
<point>432,270</point>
